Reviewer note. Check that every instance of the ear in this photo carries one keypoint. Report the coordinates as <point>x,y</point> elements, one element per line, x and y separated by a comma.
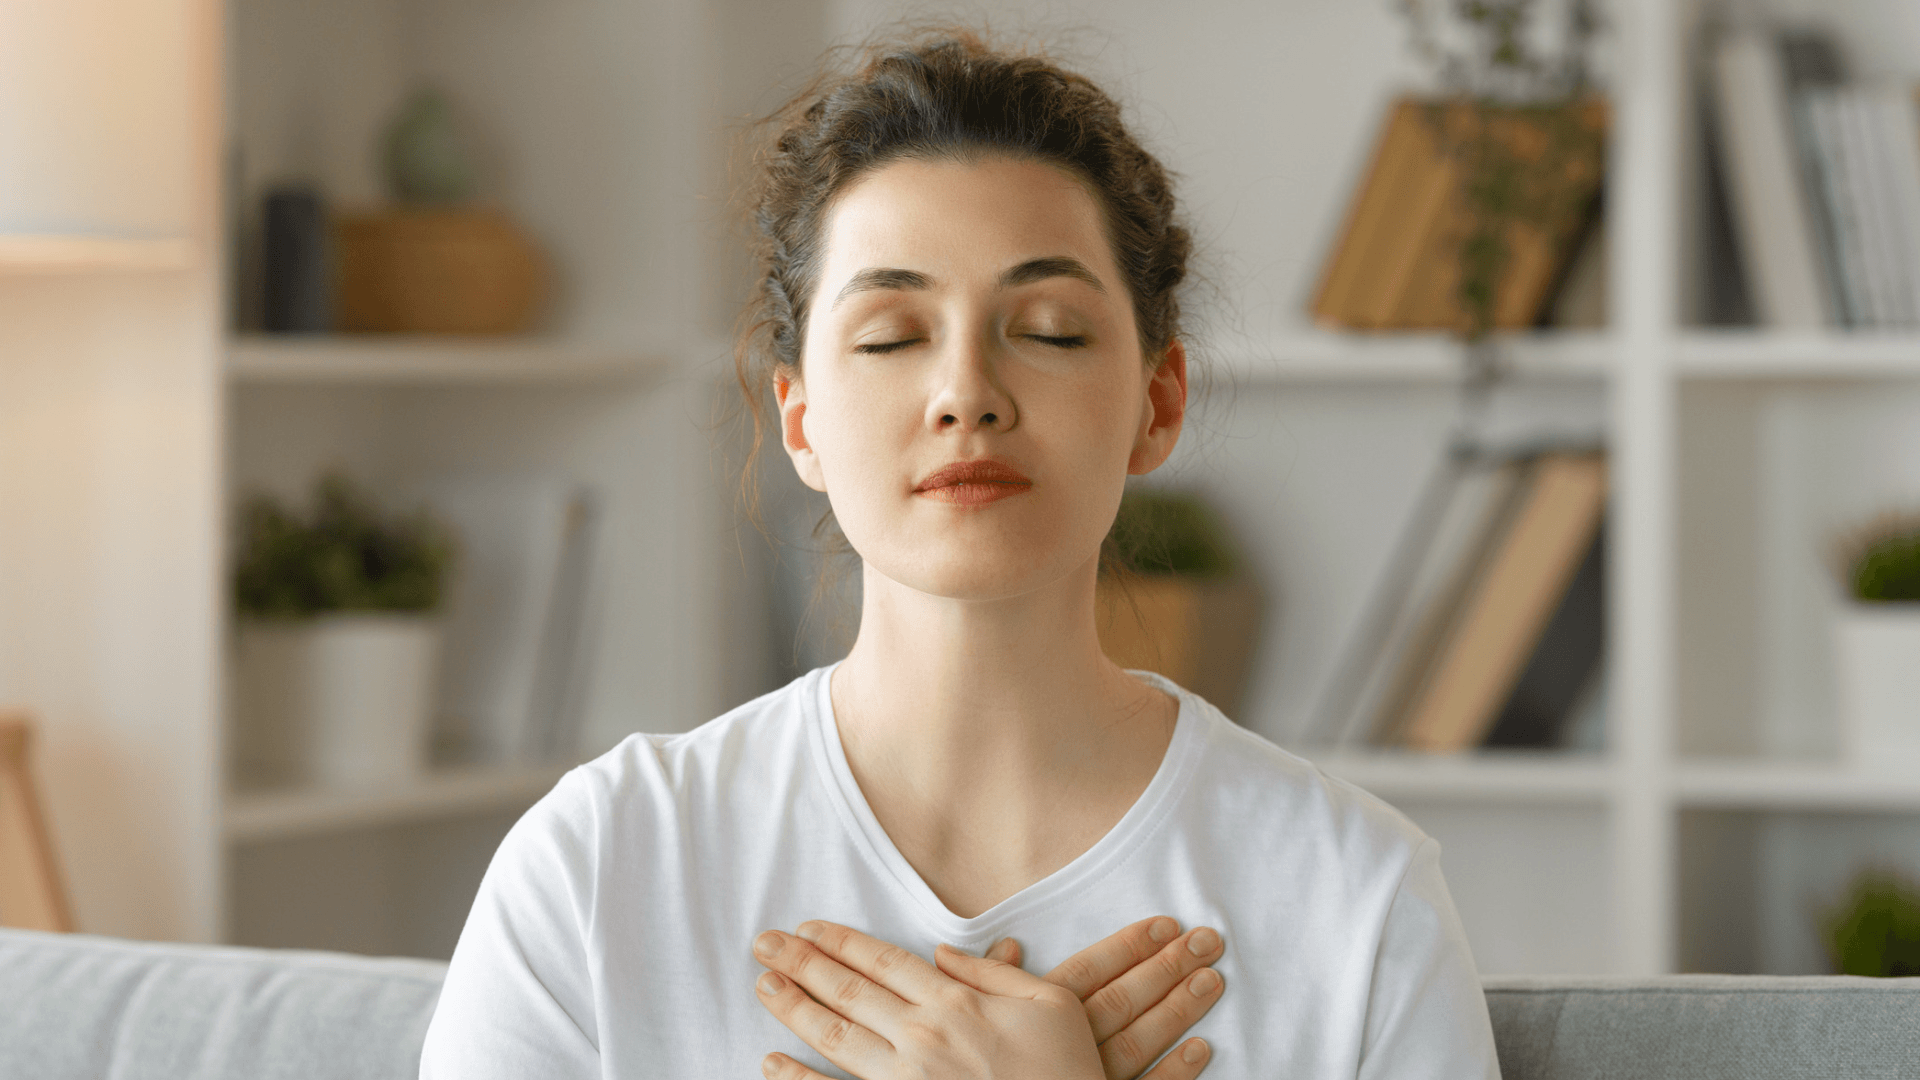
<point>790,395</point>
<point>1161,415</point>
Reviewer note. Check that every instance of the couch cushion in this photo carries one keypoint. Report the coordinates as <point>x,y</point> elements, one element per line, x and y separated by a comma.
<point>1706,1027</point>
<point>90,1008</point>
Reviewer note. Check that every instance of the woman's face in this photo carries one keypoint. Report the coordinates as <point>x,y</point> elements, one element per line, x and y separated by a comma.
<point>973,392</point>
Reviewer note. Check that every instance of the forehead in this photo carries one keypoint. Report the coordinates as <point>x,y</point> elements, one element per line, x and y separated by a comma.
<point>963,220</point>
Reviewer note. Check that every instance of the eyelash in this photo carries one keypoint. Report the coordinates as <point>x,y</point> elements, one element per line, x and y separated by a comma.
<point>1075,341</point>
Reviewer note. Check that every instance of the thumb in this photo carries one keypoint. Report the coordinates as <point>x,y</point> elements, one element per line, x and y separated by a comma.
<point>988,976</point>
<point>1006,950</point>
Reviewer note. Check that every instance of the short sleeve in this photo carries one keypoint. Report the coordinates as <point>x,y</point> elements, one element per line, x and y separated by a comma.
<point>1426,1012</point>
<point>518,998</point>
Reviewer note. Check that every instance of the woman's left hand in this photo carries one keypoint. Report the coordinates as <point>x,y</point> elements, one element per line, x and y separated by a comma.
<point>967,1018</point>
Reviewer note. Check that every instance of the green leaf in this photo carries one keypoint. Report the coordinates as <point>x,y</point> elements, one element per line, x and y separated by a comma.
<point>347,555</point>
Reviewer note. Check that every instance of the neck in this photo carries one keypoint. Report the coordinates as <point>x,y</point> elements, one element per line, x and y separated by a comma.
<point>994,739</point>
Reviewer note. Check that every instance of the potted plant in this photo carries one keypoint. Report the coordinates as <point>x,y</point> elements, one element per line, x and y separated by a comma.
<point>336,640</point>
<point>1173,597</point>
<point>1875,931</point>
<point>1876,642</point>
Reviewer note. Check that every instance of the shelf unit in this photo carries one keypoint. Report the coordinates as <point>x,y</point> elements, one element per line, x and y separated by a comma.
<point>1714,804</point>
<point>260,816</point>
<point>394,360</point>
<point>1410,359</point>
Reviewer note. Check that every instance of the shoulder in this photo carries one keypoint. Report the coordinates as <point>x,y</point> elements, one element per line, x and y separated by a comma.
<point>1278,801</point>
<point>655,778</point>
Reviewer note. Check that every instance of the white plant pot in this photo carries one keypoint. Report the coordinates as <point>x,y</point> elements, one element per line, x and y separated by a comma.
<point>339,700</point>
<point>1877,677</point>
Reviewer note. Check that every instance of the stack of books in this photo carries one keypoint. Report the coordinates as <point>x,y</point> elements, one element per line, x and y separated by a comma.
<point>1495,619</point>
<point>1822,178</point>
<point>1396,263</point>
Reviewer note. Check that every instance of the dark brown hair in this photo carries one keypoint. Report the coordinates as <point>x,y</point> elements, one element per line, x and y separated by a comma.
<point>944,94</point>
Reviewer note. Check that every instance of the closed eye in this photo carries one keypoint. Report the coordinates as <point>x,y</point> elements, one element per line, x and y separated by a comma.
<point>883,347</point>
<point>1075,341</point>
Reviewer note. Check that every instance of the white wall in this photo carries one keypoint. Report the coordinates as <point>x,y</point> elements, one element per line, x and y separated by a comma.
<point>109,592</point>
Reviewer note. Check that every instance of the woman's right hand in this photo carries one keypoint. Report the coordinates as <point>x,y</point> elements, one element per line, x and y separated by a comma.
<point>1143,987</point>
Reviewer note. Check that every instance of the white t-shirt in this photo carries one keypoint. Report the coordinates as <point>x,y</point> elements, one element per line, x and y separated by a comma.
<point>612,934</point>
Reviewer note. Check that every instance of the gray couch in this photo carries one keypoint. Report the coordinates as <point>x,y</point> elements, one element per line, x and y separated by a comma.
<point>81,1007</point>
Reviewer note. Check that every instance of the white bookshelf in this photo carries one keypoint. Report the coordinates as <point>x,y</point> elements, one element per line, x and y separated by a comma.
<point>1734,452</point>
<point>1392,359</point>
<point>1766,786</point>
<point>395,360</point>
<point>1834,355</point>
<point>1518,778</point>
<point>257,816</point>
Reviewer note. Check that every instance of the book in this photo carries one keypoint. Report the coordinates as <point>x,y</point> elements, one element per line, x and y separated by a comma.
<point>1772,210</point>
<point>515,613</point>
<point>1445,571</point>
<point>1369,234</point>
<point>1444,529</point>
<point>1500,622</point>
<point>1817,131</point>
<point>1897,121</point>
<point>1558,678</point>
<point>1396,264</point>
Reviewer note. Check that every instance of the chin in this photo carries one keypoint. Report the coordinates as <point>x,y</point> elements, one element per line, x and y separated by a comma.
<point>964,568</point>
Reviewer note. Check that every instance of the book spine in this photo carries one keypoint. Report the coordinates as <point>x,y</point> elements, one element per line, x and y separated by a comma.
<point>1866,164</point>
<point>1899,127</point>
<point>1825,168</point>
<point>1772,211</point>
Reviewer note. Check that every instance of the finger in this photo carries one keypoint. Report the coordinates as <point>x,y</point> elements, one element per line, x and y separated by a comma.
<point>778,1066</point>
<point>844,991</point>
<point>991,976</point>
<point>1111,957</point>
<point>1123,1000</point>
<point>1131,1049</point>
<point>1006,950</point>
<point>1183,1064</point>
<point>887,964</point>
<point>841,1041</point>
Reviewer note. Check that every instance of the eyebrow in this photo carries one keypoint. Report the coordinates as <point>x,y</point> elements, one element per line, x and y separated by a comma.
<point>1050,266</point>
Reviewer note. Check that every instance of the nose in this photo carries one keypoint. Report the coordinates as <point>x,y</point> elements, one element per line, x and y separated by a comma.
<point>968,396</point>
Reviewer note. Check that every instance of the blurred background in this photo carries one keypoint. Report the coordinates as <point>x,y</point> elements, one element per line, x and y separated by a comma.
<point>370,446</point>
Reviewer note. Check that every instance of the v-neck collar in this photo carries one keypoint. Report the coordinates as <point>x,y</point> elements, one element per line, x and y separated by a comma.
<point>1140,822</point>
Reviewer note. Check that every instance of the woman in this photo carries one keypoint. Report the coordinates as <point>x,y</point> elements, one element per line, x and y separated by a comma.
<point>969,324</point>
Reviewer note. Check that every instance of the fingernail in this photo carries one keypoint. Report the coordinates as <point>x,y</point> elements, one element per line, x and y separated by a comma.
<point>810,930</point>
<point>1163,930</point>
<point>771,983</point>
<point>1204,982</point>
<point>1203,942</point>
<point>1195,1053</point>
<point>767,944</point>
<point>768,1064</point>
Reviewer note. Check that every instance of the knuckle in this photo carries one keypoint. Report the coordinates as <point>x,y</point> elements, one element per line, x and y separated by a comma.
<point>957,999</point>
<point>925,1036</point>
<point>836,1035</point>
<point>1123,1052</point>
<point>890,959</point>
<point>850,989</point>
<point>804,960</point>
<point>1169,962</point>
<point>1078,971</point>
<point>1112,1001</point>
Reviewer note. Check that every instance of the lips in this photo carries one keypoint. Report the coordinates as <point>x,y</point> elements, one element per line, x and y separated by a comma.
<point>974,483</point>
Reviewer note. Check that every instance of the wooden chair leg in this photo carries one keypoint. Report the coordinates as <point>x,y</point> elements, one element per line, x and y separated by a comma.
<point>31,894</point>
